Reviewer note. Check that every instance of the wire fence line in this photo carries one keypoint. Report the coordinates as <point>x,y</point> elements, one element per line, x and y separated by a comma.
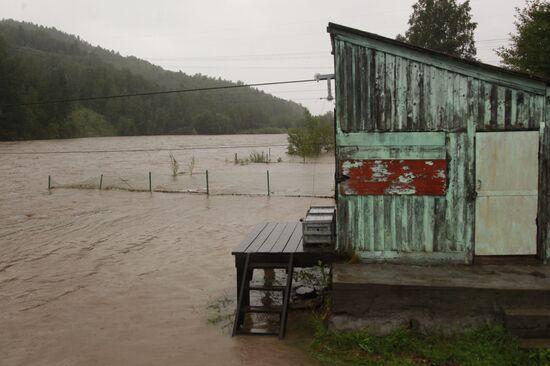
<point>220,183</point>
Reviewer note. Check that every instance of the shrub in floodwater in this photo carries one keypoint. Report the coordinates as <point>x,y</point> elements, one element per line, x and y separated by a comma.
<point>314,136</point>
<point>239,161</point>
<point>191,165</point>
<point>255,157</point>
<point>174,165</point>
<point>220,312</point>
<point>259,157</point>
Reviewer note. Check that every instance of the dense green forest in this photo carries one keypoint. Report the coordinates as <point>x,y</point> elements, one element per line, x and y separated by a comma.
<point>40,64</point>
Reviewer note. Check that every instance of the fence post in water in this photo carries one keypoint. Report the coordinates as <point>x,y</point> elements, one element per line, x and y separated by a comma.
<point>150,186</point>
<point>268,190</point>
<point>207,187</point>
<point>49,182</point>
<point>100,182</point>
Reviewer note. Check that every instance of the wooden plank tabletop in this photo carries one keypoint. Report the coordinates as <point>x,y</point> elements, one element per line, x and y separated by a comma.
<point>273,237</point>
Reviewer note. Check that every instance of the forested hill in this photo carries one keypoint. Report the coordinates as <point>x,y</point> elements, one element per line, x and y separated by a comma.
<point>39,63</point>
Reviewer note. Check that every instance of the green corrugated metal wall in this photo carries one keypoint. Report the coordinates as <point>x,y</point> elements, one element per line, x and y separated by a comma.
<point>387,87</point>
<point>379,91</point>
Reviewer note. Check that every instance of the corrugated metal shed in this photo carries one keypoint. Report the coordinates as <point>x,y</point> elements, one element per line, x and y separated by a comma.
<point>395,104</point>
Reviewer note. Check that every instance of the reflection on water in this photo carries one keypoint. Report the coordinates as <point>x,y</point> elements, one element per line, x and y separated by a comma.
<point>113,277</point>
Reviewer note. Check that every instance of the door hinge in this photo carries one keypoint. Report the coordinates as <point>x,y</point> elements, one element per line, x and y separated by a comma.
<point>341,178</point>
<point>472,195</point>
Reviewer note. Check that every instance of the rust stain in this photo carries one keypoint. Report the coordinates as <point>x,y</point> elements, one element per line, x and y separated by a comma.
<point>394,177</point>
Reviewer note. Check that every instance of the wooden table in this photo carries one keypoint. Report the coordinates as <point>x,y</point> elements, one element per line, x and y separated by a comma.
<point>272,242</point>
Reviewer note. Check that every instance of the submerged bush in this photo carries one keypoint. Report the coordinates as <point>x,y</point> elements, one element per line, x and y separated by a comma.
<point>174,165</point>
<point>313,137</point>
<point>259,157</point>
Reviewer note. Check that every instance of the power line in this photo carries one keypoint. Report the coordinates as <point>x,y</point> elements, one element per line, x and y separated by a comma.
<point>301,21</point>
<point>224,67</point>
<point>196,147</point>
<point>242,56</point>
<point>268,55</point>
<point>177,91</point>
<point>191,147</point>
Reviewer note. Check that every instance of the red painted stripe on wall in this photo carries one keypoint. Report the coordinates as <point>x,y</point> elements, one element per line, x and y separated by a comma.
<point>394,177</point>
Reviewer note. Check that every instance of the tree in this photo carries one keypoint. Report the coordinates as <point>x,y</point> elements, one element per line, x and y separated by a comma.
<point>84,122</point>
<point>40,64</point>
<point>212,123</point>
<point>444,26</point>
<point>314,136</point>
<point>530,46</point>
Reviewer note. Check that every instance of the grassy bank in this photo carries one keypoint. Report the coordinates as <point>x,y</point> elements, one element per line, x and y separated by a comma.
<point>486,346</point>
<point>490,345</point>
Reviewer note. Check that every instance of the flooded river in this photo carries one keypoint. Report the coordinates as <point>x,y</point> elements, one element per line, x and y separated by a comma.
<point>113,277</point>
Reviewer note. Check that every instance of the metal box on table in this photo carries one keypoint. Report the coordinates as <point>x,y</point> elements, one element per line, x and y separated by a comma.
<point>318,227</point>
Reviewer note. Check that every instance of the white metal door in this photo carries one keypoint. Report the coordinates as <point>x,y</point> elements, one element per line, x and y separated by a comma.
<point>507,183</point>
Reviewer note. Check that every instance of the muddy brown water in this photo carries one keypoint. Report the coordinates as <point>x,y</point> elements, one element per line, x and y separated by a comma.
<point>111,277</point>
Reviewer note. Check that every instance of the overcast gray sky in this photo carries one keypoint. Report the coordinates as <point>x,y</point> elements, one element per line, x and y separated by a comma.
<point>249,40</point>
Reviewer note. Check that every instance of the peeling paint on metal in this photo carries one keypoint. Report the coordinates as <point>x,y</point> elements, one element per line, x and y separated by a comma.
<point>393,103</point>
<point>394,177</point>
<point>379,171</point>
<point>348,165</point>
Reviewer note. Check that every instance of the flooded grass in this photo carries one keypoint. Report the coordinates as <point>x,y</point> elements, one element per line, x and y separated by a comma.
<point>174,165</point>
<point>259,157</point>
<point>255,157</point>
<point>220,312</point>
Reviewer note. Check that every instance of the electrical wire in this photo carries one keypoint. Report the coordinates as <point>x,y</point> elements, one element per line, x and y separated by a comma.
<point>177,91</point>
<point>186,148</point>
<point>225,67</point>
<point>240,57</point>
<point>136,150</point>
<point>269,56</point>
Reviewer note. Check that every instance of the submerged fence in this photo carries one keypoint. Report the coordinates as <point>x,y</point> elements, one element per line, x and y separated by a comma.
<point>281,182</point>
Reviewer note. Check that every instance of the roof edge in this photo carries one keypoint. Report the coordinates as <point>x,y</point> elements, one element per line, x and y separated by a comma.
<point>334,28</point>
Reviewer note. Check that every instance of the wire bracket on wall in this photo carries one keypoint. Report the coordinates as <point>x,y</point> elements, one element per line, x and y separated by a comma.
<point>326,77</point>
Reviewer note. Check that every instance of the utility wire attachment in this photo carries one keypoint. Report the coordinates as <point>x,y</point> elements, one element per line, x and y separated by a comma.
<point>326,77</point>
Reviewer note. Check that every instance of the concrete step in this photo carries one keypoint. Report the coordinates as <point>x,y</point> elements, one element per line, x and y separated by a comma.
<point>259,331</point>
<point>527,322</point>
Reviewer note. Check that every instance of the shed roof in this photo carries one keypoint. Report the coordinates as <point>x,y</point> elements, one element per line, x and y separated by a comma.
<point>337,29</point>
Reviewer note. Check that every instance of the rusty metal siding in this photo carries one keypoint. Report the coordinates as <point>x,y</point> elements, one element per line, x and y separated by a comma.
<point>379,91</point>
<point>384,88</point>
<point>426,224</point>
<point>422,177</point>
